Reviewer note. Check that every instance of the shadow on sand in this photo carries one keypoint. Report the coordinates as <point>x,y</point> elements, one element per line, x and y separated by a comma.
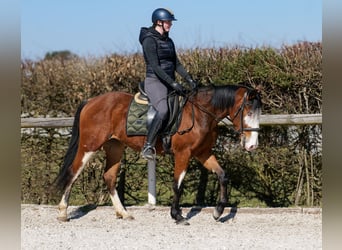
<point>81,211</point>
<point>196,210</point>
<point>231,215</point>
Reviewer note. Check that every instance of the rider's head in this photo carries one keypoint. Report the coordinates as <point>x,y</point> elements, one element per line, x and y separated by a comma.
<point>161,16</point>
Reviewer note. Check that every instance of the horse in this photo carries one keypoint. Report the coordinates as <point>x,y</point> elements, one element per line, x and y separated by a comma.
<point>100,123</point>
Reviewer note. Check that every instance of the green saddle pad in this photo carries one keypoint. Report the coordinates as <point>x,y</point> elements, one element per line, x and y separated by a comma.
<point>136,119</point>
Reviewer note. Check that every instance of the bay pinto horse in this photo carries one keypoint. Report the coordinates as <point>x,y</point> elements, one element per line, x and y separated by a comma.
<point>100,122</point>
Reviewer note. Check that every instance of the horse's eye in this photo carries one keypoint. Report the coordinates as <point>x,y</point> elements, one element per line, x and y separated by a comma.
<point>249,103</point>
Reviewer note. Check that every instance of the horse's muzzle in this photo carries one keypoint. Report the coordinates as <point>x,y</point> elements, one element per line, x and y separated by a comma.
<point>250,143</point>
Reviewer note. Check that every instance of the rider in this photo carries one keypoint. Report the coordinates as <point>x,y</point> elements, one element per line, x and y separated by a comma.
<point>161,64</point>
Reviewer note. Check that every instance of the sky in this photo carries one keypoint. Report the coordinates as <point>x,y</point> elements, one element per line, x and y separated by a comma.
<point>98,28</point>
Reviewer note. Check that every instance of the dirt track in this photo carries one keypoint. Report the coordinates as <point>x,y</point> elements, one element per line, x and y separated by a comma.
<point>98,228</point>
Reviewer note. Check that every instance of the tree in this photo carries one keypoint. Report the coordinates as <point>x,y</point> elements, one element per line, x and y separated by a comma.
<point>62,54</point>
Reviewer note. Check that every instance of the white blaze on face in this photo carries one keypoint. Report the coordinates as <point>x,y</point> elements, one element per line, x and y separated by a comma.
<point>252,121</point>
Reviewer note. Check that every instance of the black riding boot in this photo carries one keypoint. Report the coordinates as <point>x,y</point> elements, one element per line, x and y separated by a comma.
<point>149,152</point>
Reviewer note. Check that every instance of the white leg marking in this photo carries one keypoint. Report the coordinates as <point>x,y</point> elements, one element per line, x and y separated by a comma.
<point>181,177</point>
<point>87,156</point>
<point>119,209</point>
<point>63,204</point>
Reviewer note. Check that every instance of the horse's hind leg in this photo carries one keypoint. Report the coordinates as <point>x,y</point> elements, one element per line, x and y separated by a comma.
<point>74,171</point>
<point>114,150</point>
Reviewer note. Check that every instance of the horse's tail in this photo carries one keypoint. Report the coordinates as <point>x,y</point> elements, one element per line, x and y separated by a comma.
<point>65,175</point>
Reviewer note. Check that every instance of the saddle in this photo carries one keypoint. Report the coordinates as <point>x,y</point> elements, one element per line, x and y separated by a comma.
<point>138,115</point>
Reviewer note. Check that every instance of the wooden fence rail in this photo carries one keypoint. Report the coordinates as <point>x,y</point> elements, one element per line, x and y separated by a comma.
<point>287,119</point>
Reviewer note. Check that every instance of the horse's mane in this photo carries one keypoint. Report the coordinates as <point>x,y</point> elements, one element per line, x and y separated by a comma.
<point>223,96</point>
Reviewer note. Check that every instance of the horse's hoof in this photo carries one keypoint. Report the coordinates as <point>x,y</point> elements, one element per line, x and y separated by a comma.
<point>63,219</point>
<point>124,216</point>
<point>130,217</point>
<point>217,214</point>
<point>183,222</point>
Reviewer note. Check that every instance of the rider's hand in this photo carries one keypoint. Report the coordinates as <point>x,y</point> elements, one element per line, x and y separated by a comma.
<point>180,90</point>
<point>193,84</point>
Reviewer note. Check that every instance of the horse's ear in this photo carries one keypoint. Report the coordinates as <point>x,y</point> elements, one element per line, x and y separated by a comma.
<point>258,88</point>
<point>255,92</point>
<point>252,94</point>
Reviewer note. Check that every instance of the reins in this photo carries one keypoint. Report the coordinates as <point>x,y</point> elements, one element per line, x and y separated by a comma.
<point>241,108</point>
<point>185,100</point>
<point>203,109</point>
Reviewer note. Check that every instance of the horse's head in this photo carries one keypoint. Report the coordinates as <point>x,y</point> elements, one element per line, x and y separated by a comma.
<point>245,116</point>
<point>238,103</point>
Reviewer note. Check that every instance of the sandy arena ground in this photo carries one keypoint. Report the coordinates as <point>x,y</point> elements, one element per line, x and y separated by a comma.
<point>98,228</point>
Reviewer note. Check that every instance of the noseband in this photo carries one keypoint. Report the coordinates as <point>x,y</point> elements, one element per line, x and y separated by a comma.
<point>240,110</point>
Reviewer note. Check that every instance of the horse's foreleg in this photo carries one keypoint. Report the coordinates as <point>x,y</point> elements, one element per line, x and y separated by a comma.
<point>78,164</point>
<point>114,151</point>
<point>179,174</point>
<point>212,165</point>
<point>223,196</point>
<point>176,212</point>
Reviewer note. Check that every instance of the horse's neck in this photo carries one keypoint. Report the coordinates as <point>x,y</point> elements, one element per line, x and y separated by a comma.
<point>207,111</point>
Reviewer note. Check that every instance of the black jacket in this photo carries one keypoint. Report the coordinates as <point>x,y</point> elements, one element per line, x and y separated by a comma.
<point>160,56</point>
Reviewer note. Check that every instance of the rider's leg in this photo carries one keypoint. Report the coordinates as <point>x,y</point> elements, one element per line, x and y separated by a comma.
<point>157,95</point>
<point>149,149</point>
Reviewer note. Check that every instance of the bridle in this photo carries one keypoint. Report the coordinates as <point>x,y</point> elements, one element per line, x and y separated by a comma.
<point>240,110</point>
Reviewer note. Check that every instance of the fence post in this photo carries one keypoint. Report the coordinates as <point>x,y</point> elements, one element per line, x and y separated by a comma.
<point>151,182</point>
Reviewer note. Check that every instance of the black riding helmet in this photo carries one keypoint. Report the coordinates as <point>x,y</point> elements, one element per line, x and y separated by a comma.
<point>162,15</point>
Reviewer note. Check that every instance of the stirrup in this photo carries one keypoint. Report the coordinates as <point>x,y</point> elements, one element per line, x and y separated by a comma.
<point>149,153</point>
